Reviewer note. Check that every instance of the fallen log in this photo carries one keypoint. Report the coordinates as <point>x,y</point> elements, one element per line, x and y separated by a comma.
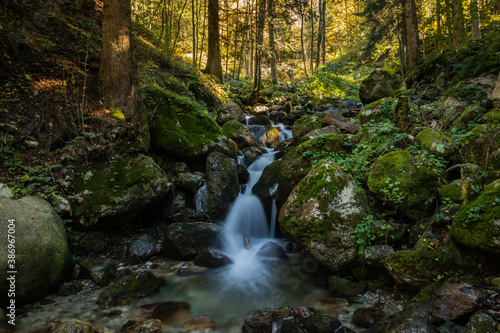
<point>350,128</point>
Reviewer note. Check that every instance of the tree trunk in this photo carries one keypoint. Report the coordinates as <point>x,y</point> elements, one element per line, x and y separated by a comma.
<point>272,56</point>
<point>302,46</point>
<point>474,12</point>
<point>214,65</point>
<point>259,41</point>
<point>312,39</point>
<point>458,22</point>
<point>118,70</point>
<point>412,39</point>
<point>194,30</point>
<point>323,44</point>
<point>439,33</point>
<point>320,34</point>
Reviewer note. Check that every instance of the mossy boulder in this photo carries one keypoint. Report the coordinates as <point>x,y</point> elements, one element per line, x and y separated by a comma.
<point>229,111</point>
<point>267,181</point>
<point>183,127</point>
<point>402,183</point>
<point>493,116</point>
<point>471,116</point>
<point>305,125</point>
<point>477,225</point>
<point>321,212</point>
<point>297,161</point>
<point>75,325</point>
<point>482,147</point>
<point>481,322</point>
<point>117,192</point>
<point>42,257</point>
<point>266,135</point>
<point>458,190</point>
<point>377,85</point>
<point>435,142</point>
<point>184,241</point>
<point>221,178</point>
<point>239,133</point>
<point>414,269</point>
<point>322,322</point>
<point>378,110</point>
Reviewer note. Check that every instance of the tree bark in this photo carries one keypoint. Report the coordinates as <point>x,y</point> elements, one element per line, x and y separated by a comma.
<point>412,38</point>
<point>272,46</point>
<point>474,12</point>
<point>194,30</point>
<point>118,70</point>
<point>259,41</point>
<point>312,39</point>
<point>458,22</point>
<point>214,61</point>
<point>302,46</point>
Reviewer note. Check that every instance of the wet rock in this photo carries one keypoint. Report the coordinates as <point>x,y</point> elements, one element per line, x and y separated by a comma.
<point>212,258</point>
<point>272,314</point>
<point>367,317</point>
<point>243,174</point>
<point>222,184</point>
<point>142,326</point>
<point>302,313</point>
<point>377,85</point>
<point>252,153</point>
<point>43,258</point>
<point>265,187</point>
<point>199,323</point>
<point>257,325</point>
<point>291,325</point>
<point>279,117</point>
<point>321,213</point>
<point>100,270</point>
<point>169,312</point>
<point>481,322</point>
<point>453,300</point>
<point>131,286</point>
<point>272,250</point>
<point>341,287</point>
<point>266,136</point>
<point>5,191</point>
<point>260,110</point>
<point>451,327</point>
<point>258,120</point>
<point>305,125</point>
<point>142,248</point>
<point>229,111</point>
<point>75,326</point>
<point>239,133</point>
<point>375,254</point>
<point>344,329</point>
<point>117,192</point>
<point>477,225</point>
<point>322,322</point>
<point>184,241</point>
<point>180,167</point>
<point>69,288</point>
<point>190,181</point>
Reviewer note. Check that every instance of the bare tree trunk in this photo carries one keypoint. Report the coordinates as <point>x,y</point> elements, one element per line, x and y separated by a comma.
<point>259,41</point>
<point>458,22</point>
<point>214,65</point>
<point>312,39</point>
<point>194,30</point>
<point>474,12</point>
<point>202,44</point>
<point>272,47</point>
<point>323,45</point>
<point>320,34</point>
<point>439,33</point>
<point>118,66</point>
<point>302,46</point>
<point>413,41</point>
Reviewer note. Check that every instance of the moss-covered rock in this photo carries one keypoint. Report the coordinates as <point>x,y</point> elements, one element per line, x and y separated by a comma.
<point>42,257</point>
<point>221,177</point>
<point>229,111</point>
<point>75,325</point>
<point>377,85</point>
<point>482,146</point>
<point>321,212</point>
<point>414,269</point>
<point>471,115</point>
<point>493,116</point>
<point>305,125</point>
<point>458,190</point>
<point>322,322</point>
<point>378,110</point>
<point>183,127</point>
<point>265,135</point>
<point>402,183</point>
<point>265,184</point>
<point>477,225</point>
<point>481,322</point>
<point>435,142</point>
<point>239,133</point>
<point>116,192</point>
<point>184,241</point>
<point>297,162</point>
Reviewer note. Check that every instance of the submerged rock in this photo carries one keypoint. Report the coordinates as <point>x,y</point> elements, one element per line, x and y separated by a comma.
<point>222,184</point>
<point>212,258</point>
<point>139,284</point>
<point>184,241</point>
<point>43,258</point>
<point>272,250</point>
<point>169,312</point>
<point>321,213</point>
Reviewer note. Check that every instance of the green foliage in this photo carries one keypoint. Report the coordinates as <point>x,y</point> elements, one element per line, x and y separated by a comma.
<point>392,193</point>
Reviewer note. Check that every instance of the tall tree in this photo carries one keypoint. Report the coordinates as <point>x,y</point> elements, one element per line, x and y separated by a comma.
<point>272,46</point>
<point>458,31</point>
<point>118,70</point>
<point>259,41</point>
<point>412,38</point>
<point>214,61</point>
<point>474,13</point>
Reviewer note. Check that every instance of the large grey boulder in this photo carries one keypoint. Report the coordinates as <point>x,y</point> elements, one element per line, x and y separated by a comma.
<point>117,192</point>
<point>229,111</point>
<point>322,212</point>
<point>42,256</point>
<point>221,177</point>
<point>377,85</point>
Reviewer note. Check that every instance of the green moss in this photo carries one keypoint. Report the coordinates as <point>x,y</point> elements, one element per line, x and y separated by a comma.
<point>306,124</point>
<point>183,127</point>
<point>435,142</point>
<point>493,116</point>
<point>117,114</point>
<point>380,109</point>
<point>481,146</point>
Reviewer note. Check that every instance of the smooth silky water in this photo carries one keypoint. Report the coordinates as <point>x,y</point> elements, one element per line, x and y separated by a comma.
<point>227,294</point>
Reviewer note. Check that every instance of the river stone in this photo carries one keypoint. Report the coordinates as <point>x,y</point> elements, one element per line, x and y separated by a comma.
<point>183,127</point>
<point>212,258</point>
<point>272,250</point>
<point>291,325</point>
<point>251,154</point>
<point>100,270</point>
<point>451,327</point>
<point>477,225</point>
<point>302,313</point>
<point>322,322</point>
<point>169,312</point>
<point>239,133</point>
<point>341,287</point>
<point>481,322</point>
<point>42,258</point>
<point>375,254</point>
<point>222,184</point>
<point>75,326</point>
<point>265,187</point>
<point>142,326</point>
<point>191,181</point>
<point>367,317</point>
<point>260,119</point>
<point>142,248</point>
<point>413,181</point>
<point>321,213</point>
<point>229,111</point>
<point>260,110</point>
<point>243,174</point>
<point>199,323</point>
<point>257,325</point>
<point>117,192</point>
<point>138,284</point>
<point>377,85</point>
<point>453,300</point>
<point>266,135</point>
<point>5,191</point>
<point>184,241</point>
